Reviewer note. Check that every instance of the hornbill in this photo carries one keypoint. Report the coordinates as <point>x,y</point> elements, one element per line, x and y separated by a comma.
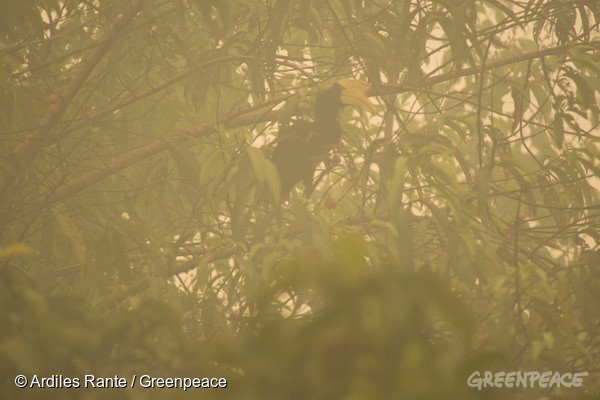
<point>301,146</point>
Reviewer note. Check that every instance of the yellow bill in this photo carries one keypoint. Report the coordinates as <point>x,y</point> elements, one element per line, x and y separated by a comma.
<point>354,93</point>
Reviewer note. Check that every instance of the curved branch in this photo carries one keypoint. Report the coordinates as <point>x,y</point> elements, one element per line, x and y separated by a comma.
<point>121,162</point>
<point>553,51</point>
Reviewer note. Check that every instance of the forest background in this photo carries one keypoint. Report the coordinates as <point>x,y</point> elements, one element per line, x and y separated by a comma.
<point>456,230</point>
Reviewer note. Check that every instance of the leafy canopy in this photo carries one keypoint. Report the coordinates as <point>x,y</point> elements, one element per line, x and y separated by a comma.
<point>456,230</point>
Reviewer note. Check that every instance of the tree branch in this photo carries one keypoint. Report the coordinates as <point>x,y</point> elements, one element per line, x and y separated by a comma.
<point>123,161</point>
<point>34,140</point>
<point>394,89</point>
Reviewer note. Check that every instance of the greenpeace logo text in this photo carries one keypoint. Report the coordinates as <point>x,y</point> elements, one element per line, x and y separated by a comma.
<point>527,379</point>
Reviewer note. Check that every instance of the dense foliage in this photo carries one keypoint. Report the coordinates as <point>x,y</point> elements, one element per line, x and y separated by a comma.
<point>142,230</point>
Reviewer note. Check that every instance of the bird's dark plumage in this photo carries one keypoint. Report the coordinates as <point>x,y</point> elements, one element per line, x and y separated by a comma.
<point>302,145</point>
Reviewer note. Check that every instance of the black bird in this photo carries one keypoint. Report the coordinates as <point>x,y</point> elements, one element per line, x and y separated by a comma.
<point>301,146</point>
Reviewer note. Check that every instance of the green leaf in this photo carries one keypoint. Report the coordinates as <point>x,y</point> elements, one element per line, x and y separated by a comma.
<point>558,129</point>
<point>536,349</point>
<point>396,186</point>
<point>265,172</point>
<point>548,339</point>
<point>585,22</point>
<point>482,184</point>
<point>186,163</point>
<point>583,56</point>
<point>588,99</point>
